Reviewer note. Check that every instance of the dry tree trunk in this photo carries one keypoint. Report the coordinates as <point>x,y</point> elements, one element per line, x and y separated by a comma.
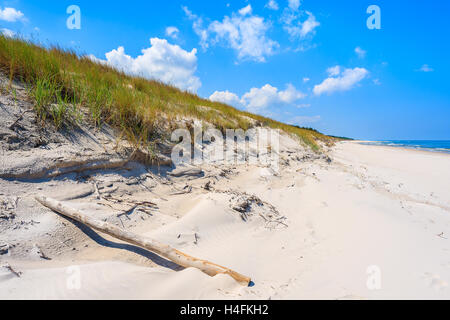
<point>161,249</point>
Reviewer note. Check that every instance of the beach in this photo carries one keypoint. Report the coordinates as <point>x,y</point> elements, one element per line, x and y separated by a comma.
<point>362,222</point>
<point>180,153</point>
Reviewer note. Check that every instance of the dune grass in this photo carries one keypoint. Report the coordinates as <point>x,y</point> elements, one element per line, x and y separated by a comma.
<point>65,85</point>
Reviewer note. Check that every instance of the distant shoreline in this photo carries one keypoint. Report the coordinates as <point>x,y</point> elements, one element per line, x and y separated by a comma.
<point>434,146</point>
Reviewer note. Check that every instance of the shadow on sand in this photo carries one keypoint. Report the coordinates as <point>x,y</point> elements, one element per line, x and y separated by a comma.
<point>123,246</point>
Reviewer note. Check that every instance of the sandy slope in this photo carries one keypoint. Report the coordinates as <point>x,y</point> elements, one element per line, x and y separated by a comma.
<point>372,206</point>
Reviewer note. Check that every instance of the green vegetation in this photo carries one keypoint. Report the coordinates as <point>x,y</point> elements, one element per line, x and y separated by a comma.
<point>342,138</point>
<point>64,85</point>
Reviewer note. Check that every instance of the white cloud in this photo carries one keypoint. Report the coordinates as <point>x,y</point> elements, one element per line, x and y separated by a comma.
<point>258,99</point>
<point>340,81</point>
<point>243,32</point>
<point>302,106</point>
<point>261,98</point>
<point>290,94</point>
<point>377,82</point>
<point>272,5</point>
<point>294,4</point>
<point>309,25</point>
<point>226,97</point>
<point>10,14</point>
<point>334,71</point>
<point>161,61</point>
<point>302,120</point>
<point>360,52</point>
<point>172,32</point>
<point>294,26</point>
<point>197,25</point>
<point>306,79</point>
<point>426,68</point>
<point>8,33</point>
<point>246,10</point>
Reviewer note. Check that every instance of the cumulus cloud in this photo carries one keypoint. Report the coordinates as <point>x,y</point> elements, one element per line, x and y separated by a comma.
<point>360,52</point>
<point>172,32</point>
<point>226,97</point>
<point>244,32</point>
<point>272,5</point>
<point>339,80</point>
<point>7,32</point>
<point>258,99</point>
<point>161,61</point>
<point>426,68</point>
<point>10,14</point>
<point>290,95</point>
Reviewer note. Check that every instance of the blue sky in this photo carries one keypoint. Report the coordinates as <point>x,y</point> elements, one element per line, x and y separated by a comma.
<point>311,63</point>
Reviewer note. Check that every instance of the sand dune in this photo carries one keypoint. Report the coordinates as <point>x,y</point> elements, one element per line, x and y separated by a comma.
<point>373,209</point>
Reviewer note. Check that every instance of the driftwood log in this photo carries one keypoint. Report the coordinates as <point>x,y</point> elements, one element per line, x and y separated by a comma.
<point>161,249</point>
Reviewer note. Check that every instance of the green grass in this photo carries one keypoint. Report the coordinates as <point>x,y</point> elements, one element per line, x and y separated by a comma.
<point>63,84</point>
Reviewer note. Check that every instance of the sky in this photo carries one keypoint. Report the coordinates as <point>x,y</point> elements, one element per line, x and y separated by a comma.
<point>308,63</point>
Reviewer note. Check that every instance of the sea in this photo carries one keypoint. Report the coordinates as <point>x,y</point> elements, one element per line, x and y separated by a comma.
<point>427,145</point>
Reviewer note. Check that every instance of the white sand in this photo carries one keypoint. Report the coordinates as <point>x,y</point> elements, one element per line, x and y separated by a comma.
<point>372,206</point>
